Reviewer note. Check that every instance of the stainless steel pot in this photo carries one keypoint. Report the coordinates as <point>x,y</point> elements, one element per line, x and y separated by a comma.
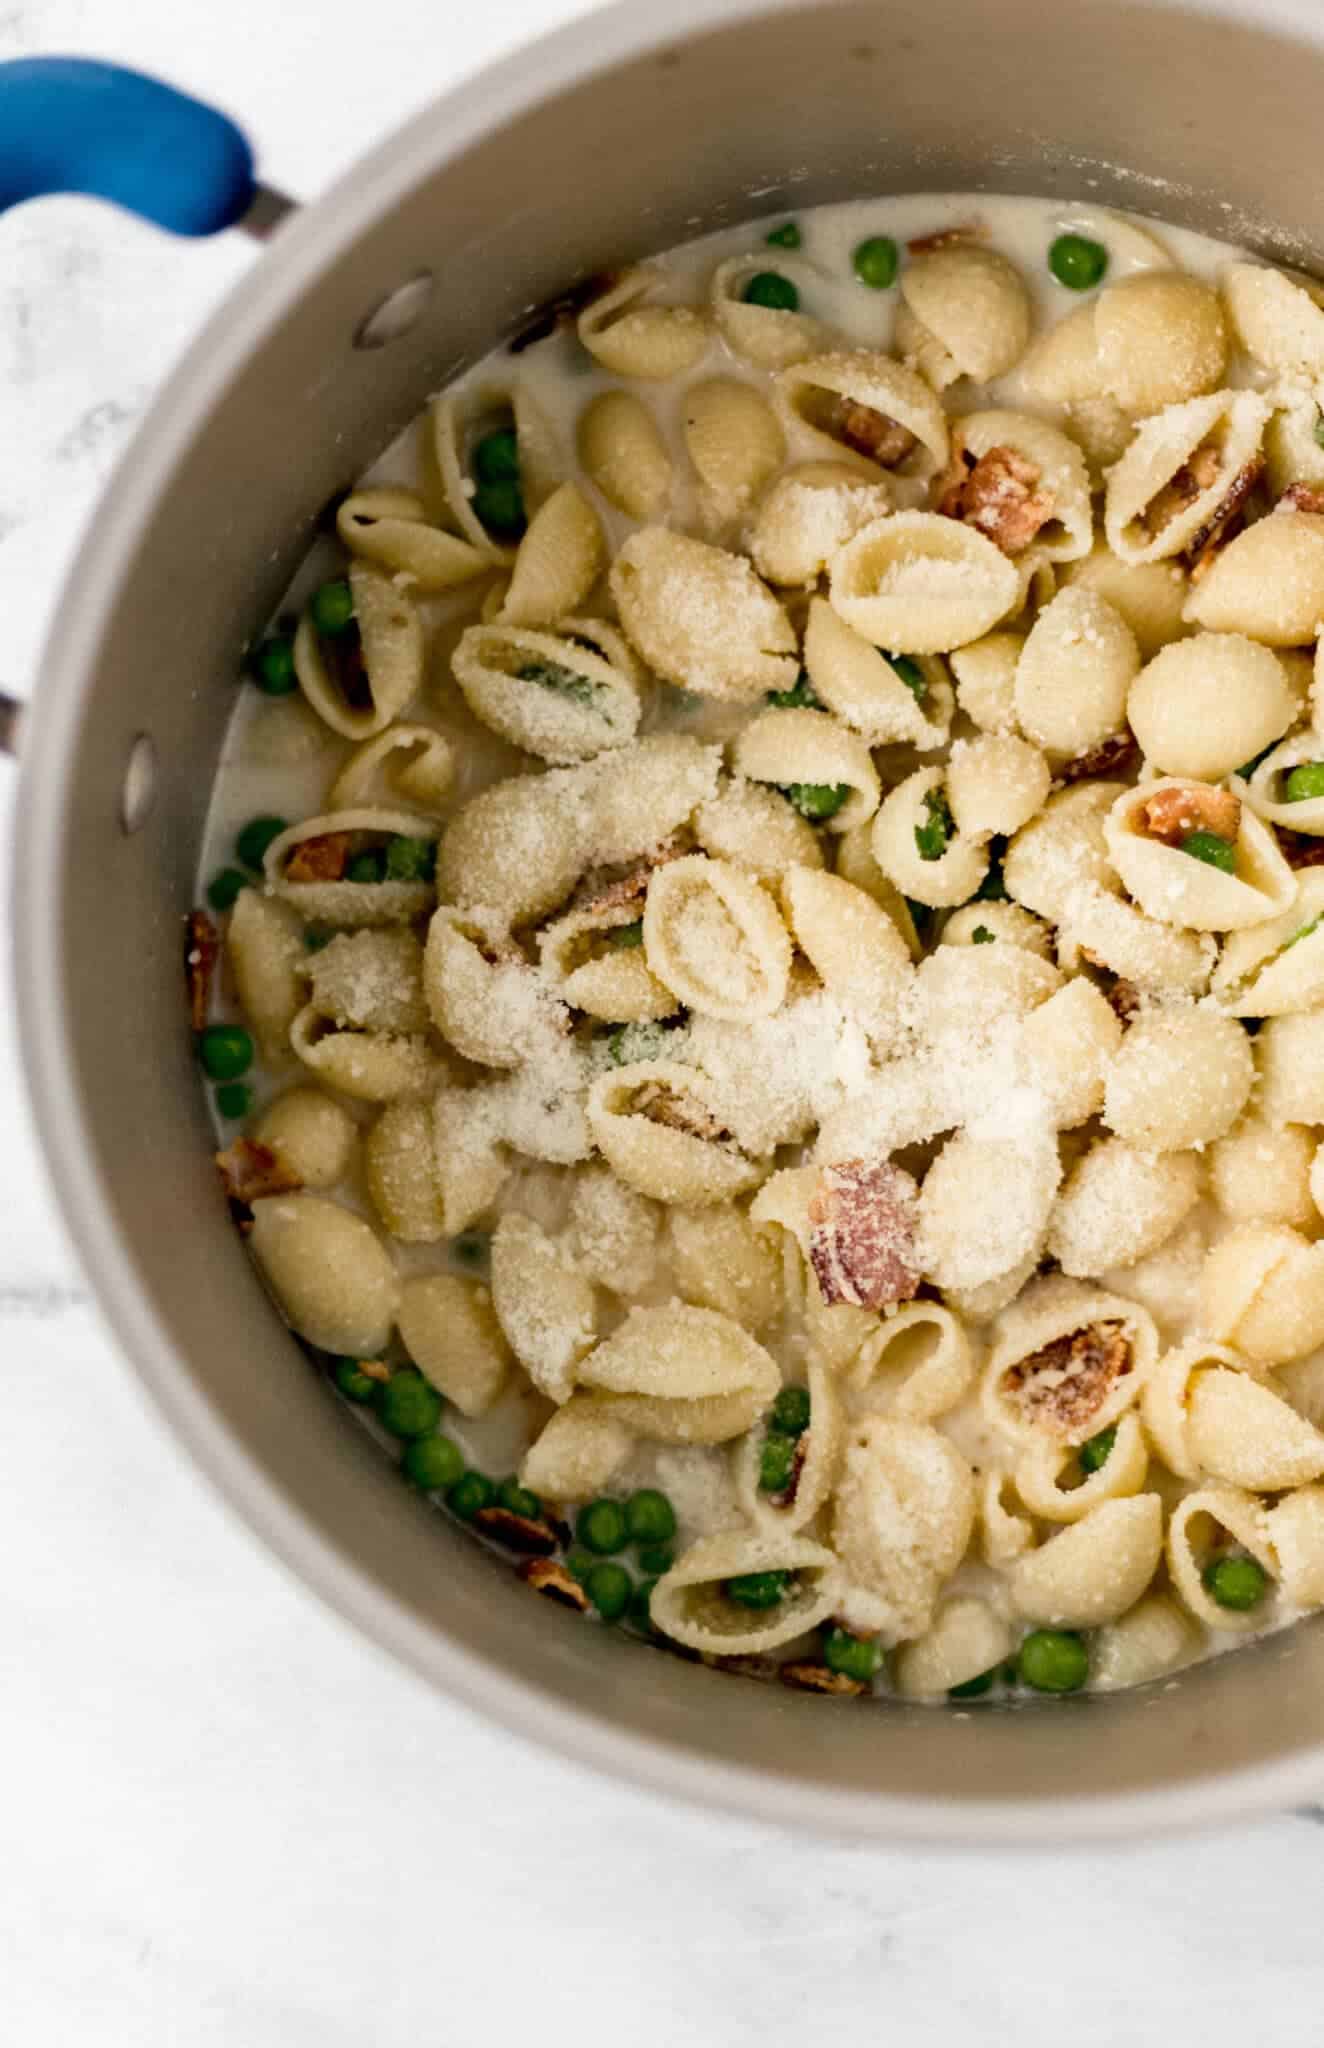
<point>636,128</point>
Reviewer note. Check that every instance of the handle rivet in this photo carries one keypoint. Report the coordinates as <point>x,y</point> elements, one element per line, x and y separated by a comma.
<point>396,313</point>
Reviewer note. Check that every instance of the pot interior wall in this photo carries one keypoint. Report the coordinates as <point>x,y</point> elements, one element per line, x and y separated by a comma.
<point>1142,107</point>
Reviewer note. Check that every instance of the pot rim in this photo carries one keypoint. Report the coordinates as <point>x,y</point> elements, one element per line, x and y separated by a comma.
<point>493,95</point>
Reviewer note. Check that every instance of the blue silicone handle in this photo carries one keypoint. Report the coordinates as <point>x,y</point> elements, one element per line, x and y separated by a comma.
<point>70,125</point>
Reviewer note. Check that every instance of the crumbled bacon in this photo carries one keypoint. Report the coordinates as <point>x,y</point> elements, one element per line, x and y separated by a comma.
<point>525,1533</point>
<point>616,888</point>
<point>323,859</point>
<point>946,238</point>
<point>1183,487</point>
<point>545,1575</point>
<point>1170,814</point>
<point>998,495</point>
<point>1301,498</point>
<point>870,432</point>
<point>1113,756</point>
<point>817,1678</point>
<point>202,947</point>
<point>249,1172</point>
<point>1064,1385</point>
<point>662,1105</point>
<point>1228,516</point>
<point>1299,849</point>
<point>862,1233</point>
<point>1123,999</point>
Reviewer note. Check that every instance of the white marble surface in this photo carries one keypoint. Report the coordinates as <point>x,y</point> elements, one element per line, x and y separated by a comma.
<point>225,1821</point>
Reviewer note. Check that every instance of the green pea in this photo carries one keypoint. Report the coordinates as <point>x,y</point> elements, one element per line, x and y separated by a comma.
<point>500,507</point>
<point>1077,262</point>
<point>255,837</point>
<point>331,608</point>
<point>1212,849</point>
<point>273,666</point>
<point>553,675</point>
<point>470,1494</point>
<point>315,937</point>
<point>818,801</point>
<point>518,1500</point>
<point>974,1688</point>
<point>1095,1452</point>
<point>649,1517</point>
<point>234,1100</point>
<point>352,1381</point>
<point>601,1527</point>
<point>875,262</point>
<point>1053,1660</point>
<point>224,888</point>
<point>369,866</point>
<point>410,860</point>
<point>910,673</point>
<point>1235,1582</point>
<point>802,696</point>
<point>776,1462</point>
<point>1305,782</point>
<point>785,237</point>
<point>609,1587</point>
<point>472,1248</point>
<point>853,1656</point>
<point>627,937</point>
<point>992,889</point>
<point>769,288</point>
<point>982,936</point>
<point>758,1590</point>
<point>934,835</point>
<point>631,1042</point>
<point>432,1463</point>
<point>407,1404</point>
<point>641,1605</point>
<point>579,1563</point>
<point>790,1411</point>
<point>226,1051</point>
<point>656,1559</point>
<point>495,458</point>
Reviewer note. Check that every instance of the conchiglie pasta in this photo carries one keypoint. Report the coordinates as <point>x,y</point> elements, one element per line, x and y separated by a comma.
<point>472,1164</point>
<point>1268,582</point>
<point>1170,883</point>
<point>1205,1525</point>
<point>1040,1474</point>
<point>927,860</point>
<point>371,1066</point>
<point>558,561</point>
<point>984,1208</point>
<point>981,923</point>
<point>1276,967</point>
<point>853,946</point>
<point>1204,705</point>
<point>1165,1399</point>
<point>970,313</point>
<point>767,335</point>
<point>1149,595</point>
<point>1004,1534</point>
<point>1151,1640</point>
<point>701,618</point>
<point>457,426</point>
<point>483,996</point>
<point>855,863</point>
<point>360,680</point>
<point>719,1260</point>
<point>1147,341</point>
<point>885,701</point>
<point>1261,1172</point>
<point>1067,1360</point>
<point>400,1173</point>
<point>450,1330</point>
<point>1157,958</point>
<point>985,678</point>
<point>1267,792</point>
<point>313,1134</point>
<point>1277,316</point>
<point>920,584</point>
<point>580,1449</point>
<point>1096,1569</point>
<point>1067,1044</point>
<point>1295,1528</point>
<point>613,1231</point>
<point>659,1127</point>
<point>621,450</point>
<point>1074,673</point>
<point>1119,1203</point>
<point>902,1518</point>
<point>967,1638</point>
<point>815,1463</point>
<point>757,828</point>
<point>556,695</point>
<point>265,947</point>
<point>596,964</point>
<point>311,867</point>
<point>995,784</point>
<point>712,935</point>
<point>863,408</point>
<point>633,336</point>
<point>682,1375</point>
<point>734,442</point>
<point>808,514</point>
<point>1262,1289</point>
<point>1180,1077</point>
<point>1241,1432</point>
<point>546,1307</point>
<point>917,1365</point>
<point>1185,473</point>
<point>407,765</point>
<point>1292,455</point>
<point>1057,478</point>
<point>1062,851</point>
<point>690,1604</point>
<point>328,1270</point>
<point>797,749</point>
<point>389,527</point>
<point>1289,1053</point>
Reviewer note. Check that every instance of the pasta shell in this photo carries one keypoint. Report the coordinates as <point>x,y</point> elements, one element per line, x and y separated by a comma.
<point>1150,1641</point>
<point>1262,1289</point>
<point>1082,637</point>
<point>713,936</point>
<point>1067,1361</point>
<point>763,334</point>
<point>966,1639</point>
<point>564,696</point>
<point>720,1261</point>
<point>814,1473</point>
<point>264,943</point>
<point>985,678</point>
<point>757,829</point>
<point>734,442</point>
<point>902,850</point>
<point>1167,494</point>
<point>984,1207</point>
<point>622,451</point>
<point>1067,532</point>
<point>1295,1528</point>
<point>457,423</point>
<point>1172,886</point>
<point>809,513</point>
<point>372,1066</point>
<point>545,1306</point>
<point>1241,1432</point>
<point>682,1375</point>
<point>579,1451</point>
<point>658,1126</point>
<point>1278,317</point>
<point>1277,966</point>
<point>1119,1203</point>
<point>1200,1524</point>
<point>332,1277</point>
<point>593,971</point>
<point>701,618</point>
<point>1180,1077</point>
<point>1148,341</point>
<point>390,528</point>
<point>972,302</point>
<point>380,661</point>
<point>1268,582</point>
<point>859,685</point>
<point>314,1135</point>
<point>558,561</point>
<point>920,584</point>
<point>483,996</point>
<point>369,981</point>
<point>1040,1472</point>
<point>409,765</point>
<point>1164,1400</point>
<point>400,1173</point>
<point>1266,791</point>
<point>613,1231</point>
<point>916,1366</point>
<point>471,1162</point>
<point>1149,595</point>
<point>1096,1569</point>
<point>1262,1171</point>
<point>449,1329</point>
<point>690,1606</point>
<point>793,747</point>
<point>322,849</point>
<point>902,1518</point>
<point>1204,705</point>
<point>853,946</point>
<point>1004,1534</point>
<point>632,337</point>
<point>850,405</point>
<point>995,784</point>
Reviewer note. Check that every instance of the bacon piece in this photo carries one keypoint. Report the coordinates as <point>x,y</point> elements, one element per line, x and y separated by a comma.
<point>947,238</point>
<point>997,494</point>
<point>817,1678</point>
<point>661,1105</point>
<point>1171,813</point>
<point>1113,756</point>
<point>870,432</point>
<point>249,1172</point>
<point>202,949</point>
<point>518,1532</point>
<point>1065,1385</point>
<point>612,888</point>
<point>1225,520</point>
<point>545,1575</point>
<point>862,1233</point>
<point>1301,498</point>
<point>1183,487</point>
<point>1124,999</point>
<point>323,859</point>
<point>1299,849</point>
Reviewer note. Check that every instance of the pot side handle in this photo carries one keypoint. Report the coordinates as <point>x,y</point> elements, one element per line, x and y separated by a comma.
<point>68,124</point>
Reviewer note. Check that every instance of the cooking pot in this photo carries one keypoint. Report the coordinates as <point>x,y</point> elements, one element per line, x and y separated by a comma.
<point>639,127</point>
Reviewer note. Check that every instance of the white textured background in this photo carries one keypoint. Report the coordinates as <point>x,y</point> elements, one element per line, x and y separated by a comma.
<point>224,1823</point>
